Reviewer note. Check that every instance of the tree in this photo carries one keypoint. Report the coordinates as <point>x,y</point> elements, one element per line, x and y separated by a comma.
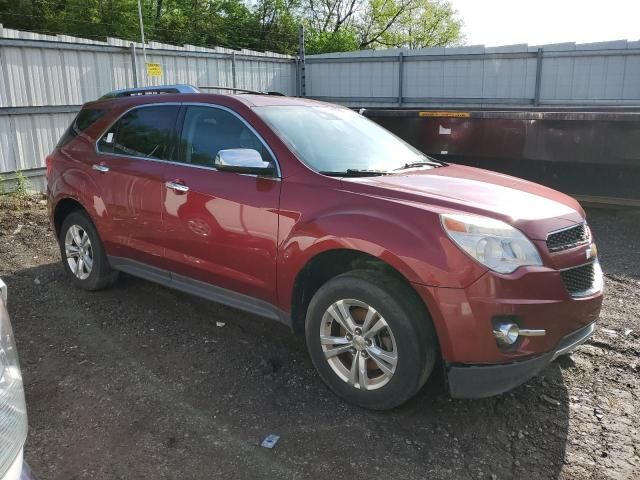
<point>277,24</point>
<point>344,40</point>
<point>331,25</point>
<point>380,18</point>
<point>342,25</point>
<point>420,24</point>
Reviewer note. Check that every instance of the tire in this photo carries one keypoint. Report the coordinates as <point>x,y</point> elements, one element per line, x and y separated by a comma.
<point>78,225</point>
<point>409,334</point>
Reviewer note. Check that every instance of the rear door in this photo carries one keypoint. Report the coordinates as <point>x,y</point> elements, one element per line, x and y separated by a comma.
<point>220,227</point>
<point>129,166</point>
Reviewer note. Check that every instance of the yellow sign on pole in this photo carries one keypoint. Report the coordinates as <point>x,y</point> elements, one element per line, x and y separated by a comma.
<point>154,69</point>
<point>445,114</point>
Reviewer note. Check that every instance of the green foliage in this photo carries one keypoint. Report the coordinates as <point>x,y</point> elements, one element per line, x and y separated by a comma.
<point>15,196</point>
<point>425,23</point>
<point>331,25</point>
<point>344,40</point>
<point>278,25</point>
<point>21,192</point>
<point>226,23</point>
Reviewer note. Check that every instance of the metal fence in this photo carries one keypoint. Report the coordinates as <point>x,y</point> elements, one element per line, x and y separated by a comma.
<point>606,73</point>
<point>45,79</point>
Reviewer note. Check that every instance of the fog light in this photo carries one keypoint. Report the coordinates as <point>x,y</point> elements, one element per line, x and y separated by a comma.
<point>507,333</point>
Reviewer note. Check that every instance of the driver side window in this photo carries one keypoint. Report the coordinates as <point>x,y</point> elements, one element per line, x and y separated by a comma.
<point>208,130</point>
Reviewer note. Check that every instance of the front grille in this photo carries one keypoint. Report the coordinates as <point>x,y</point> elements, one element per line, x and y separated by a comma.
<point>568,238</point>
<point>579,280</point>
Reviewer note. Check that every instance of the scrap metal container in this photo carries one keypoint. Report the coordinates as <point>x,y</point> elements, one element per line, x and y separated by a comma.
<point>591,155</point>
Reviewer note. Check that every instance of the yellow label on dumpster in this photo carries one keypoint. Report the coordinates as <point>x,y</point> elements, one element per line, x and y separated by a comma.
<point>445,114</point>
<point>154,69</point>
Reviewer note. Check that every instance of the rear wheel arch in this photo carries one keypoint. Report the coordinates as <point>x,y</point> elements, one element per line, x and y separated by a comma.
<point>63,208</point>
<point>82,252</point>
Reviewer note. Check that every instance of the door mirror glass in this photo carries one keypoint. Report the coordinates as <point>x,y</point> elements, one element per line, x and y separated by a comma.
<point>243,160</point>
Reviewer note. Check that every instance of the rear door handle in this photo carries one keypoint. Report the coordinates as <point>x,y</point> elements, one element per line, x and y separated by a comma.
<point>178,187</point>
<point>100,167</point>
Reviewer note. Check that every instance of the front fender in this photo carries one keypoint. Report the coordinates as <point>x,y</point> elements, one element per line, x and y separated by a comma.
<point>410,241</point>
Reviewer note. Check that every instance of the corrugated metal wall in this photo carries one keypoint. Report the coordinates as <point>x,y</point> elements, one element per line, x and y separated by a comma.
<point>44,79</point>
<point>606,73</point>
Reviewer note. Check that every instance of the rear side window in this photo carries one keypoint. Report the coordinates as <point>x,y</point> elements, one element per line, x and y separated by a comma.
<point>85,118</point>
<point>143,132</point>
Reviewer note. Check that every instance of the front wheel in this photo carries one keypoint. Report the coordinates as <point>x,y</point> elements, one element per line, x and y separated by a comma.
<point>83,256</point>
<point>371,339</point>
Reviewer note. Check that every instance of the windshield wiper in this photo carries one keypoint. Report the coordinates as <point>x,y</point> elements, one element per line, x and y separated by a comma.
<point>422,163</point>
<point>354,172</point>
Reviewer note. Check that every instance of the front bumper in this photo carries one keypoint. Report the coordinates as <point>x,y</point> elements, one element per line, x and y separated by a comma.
<point>533,297</point>
<point>479,381</point>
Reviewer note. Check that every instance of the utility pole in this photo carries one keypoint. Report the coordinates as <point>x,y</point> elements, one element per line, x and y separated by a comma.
<point>134,63</point>
<point>302,74</point>
<point>144,46</point>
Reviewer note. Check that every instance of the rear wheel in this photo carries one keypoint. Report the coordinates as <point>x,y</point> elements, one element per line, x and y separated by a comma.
<point>371,339</point>
<point>83,255</point>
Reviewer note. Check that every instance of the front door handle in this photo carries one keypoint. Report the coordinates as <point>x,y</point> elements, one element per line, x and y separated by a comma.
<point>178,187</point>
<point>100,167</point>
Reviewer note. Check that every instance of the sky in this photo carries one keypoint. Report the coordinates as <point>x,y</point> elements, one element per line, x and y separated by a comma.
<point>537,22</point>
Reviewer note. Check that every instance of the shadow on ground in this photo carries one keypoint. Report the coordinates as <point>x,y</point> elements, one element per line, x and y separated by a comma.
<point>139,382</point>
<point>617,235</point>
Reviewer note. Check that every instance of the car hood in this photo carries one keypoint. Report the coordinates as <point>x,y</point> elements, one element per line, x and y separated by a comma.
<point>532,208</point>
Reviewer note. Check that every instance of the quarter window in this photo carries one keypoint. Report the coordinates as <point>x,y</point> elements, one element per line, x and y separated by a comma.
<point>207,130</point>
<point>142,132</point>
<point>82,121</point>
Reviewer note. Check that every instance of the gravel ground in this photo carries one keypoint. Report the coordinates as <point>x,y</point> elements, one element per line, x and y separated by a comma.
<point>141,382</point>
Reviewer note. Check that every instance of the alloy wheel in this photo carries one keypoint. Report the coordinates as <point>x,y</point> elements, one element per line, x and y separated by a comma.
<point>358,344</point>
<point>79,252</point>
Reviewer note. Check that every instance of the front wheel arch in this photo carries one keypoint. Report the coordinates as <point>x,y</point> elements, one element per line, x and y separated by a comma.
<point>326,265</point>
<point>331,263</point>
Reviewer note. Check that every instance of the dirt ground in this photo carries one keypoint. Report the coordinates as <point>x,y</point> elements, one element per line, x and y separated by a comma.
<point>140,382</point>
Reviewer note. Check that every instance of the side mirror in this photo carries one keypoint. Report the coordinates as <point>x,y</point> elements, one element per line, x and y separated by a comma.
<point>243,160</point>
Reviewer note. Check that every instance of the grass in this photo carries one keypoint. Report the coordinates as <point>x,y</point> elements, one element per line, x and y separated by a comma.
<point>18,198</point>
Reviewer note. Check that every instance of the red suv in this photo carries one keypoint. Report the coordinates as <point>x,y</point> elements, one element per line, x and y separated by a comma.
<point>388,261</point>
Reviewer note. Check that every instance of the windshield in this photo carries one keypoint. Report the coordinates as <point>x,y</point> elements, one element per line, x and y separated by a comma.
<point>334,140</point>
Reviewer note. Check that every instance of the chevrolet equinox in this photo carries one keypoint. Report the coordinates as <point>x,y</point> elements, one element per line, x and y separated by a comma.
<point>389,262</point>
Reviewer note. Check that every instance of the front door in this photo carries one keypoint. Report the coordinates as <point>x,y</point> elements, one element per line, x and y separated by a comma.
<point>130,165</point>
<point>220,227</point>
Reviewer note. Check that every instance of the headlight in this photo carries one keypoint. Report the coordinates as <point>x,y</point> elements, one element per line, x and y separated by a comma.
<point>13,413</point>
<point>493,243</point>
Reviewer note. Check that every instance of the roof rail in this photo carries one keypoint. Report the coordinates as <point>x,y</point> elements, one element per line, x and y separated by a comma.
<point>241,90</point>
<point>133,92</point>
<point>231,89</point>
